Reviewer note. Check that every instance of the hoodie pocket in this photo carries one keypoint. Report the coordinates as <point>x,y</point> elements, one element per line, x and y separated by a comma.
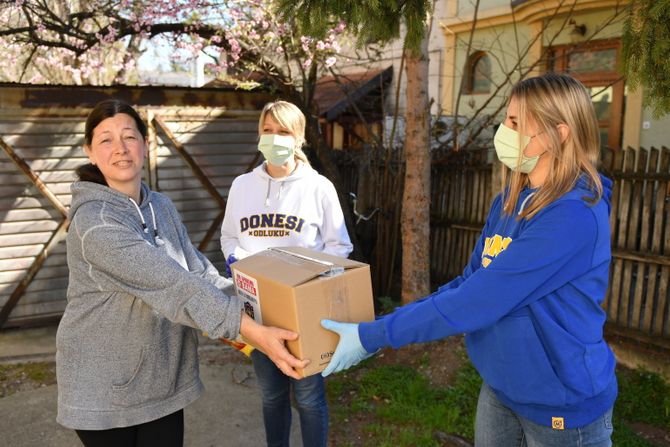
<point>161,370</point>
<point>511,359</point>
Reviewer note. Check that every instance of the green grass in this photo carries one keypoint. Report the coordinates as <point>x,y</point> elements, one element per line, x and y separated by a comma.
<point>20,376</point>
<point>643,397</point>
<point>39,372</point>
<point>407,410</point>
<point>403,409</point>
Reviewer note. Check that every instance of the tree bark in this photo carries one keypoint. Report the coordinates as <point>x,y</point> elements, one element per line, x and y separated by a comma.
<point>415,215</point>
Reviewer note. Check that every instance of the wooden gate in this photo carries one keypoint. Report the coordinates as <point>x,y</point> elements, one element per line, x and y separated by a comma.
<point>195,153</point>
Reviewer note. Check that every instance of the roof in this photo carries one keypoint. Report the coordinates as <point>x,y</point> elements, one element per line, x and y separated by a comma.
<point>335,94</point>
<point>253,76</point>
<point>13,95</point>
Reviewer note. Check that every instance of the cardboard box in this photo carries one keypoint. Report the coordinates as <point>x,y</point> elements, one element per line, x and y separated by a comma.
<point>295,288</point>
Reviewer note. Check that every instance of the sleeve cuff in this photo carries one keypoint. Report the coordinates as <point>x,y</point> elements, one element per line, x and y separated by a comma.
<point>373,335</point>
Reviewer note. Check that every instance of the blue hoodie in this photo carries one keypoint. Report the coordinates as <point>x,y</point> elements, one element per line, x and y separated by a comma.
<point>529,302</point>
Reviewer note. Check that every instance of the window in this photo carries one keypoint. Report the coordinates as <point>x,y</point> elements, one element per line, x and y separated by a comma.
<point>595,65</point>
<point>478,74</point>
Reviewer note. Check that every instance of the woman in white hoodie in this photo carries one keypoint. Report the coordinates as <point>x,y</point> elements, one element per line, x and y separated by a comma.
<point>138,293</point>
<point>282,203</point>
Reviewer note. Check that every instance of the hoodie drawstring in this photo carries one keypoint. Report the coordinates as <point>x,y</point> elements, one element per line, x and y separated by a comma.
<point>279,191</point>
<point>267,196</point>
<point>523,204</point>
<point>157,238</point>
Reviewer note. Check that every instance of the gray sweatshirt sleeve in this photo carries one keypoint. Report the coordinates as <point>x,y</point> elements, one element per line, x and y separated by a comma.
<point>121,260</point>
<point>199,264</point>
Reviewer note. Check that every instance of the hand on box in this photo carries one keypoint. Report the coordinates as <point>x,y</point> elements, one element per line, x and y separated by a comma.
<point>271,341</point>
<point>349,351</point>
<point>229,261</point>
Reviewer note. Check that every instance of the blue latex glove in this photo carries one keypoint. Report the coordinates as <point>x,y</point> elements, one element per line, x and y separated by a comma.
<point>349,351</point>
<point>229,261</point>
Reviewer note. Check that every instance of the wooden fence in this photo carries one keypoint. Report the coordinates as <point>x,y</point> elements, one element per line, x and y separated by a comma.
<point>195,153</point>
<point>462,191</point>
<point>640,223</point>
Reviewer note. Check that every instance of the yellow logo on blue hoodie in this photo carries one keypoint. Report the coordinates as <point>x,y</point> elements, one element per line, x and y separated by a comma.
<point>493,246</point>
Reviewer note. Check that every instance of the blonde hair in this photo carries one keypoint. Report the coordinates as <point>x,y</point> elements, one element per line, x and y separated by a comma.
<point>550,100</point>
<point>290,117</point>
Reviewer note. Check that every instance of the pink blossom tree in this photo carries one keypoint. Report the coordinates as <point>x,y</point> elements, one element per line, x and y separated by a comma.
<point>98,41</point>
<point>87,39</point>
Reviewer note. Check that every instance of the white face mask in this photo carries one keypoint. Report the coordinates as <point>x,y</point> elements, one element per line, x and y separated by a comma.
<point>506,142</point>
<point>277,149</point>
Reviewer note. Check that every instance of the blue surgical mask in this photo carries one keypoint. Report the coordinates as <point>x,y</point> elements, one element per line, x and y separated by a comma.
<point>277,149</point>
<point>506,142</point>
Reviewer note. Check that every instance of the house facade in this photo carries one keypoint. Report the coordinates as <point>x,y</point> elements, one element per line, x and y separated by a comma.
<point>529,37</point>
<point>477,55</point>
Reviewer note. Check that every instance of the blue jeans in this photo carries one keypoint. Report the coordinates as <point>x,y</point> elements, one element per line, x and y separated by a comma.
<point>498,426</point>
<point>310,401</point>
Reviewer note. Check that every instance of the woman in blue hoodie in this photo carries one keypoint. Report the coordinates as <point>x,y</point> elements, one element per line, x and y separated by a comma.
<point>529,300</point>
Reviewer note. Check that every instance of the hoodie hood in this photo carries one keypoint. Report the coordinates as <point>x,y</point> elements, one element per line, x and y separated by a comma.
<point>301,171</point>
<point>84,192</point>
<point>607,191</point>
<point>585,187</point>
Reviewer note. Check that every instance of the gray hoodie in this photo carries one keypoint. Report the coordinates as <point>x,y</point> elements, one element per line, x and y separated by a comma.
<point>126,347</point>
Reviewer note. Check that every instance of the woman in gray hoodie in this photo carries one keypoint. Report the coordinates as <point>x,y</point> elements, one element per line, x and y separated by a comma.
<point>138,291</point>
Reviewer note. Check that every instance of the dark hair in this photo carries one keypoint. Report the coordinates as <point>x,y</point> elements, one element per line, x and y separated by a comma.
<point>103,110</point>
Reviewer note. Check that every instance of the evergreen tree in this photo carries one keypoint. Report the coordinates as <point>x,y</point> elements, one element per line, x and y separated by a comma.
<point>380,20</point>
<point>646,52</point>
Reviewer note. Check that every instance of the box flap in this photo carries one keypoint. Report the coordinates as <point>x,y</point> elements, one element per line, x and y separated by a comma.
<point>292,269</point>
<point>342,262</point>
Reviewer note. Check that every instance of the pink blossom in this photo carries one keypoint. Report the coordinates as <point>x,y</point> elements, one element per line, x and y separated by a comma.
<point>242,28</point>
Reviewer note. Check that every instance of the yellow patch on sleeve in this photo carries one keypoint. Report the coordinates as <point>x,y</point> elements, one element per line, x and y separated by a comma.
<point>557,423</point>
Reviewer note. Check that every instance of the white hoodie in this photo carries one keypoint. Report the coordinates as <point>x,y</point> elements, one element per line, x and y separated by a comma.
<point>300,210</point>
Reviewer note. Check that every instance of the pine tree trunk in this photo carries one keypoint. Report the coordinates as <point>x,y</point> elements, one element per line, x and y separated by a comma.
<point>415,216</point>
